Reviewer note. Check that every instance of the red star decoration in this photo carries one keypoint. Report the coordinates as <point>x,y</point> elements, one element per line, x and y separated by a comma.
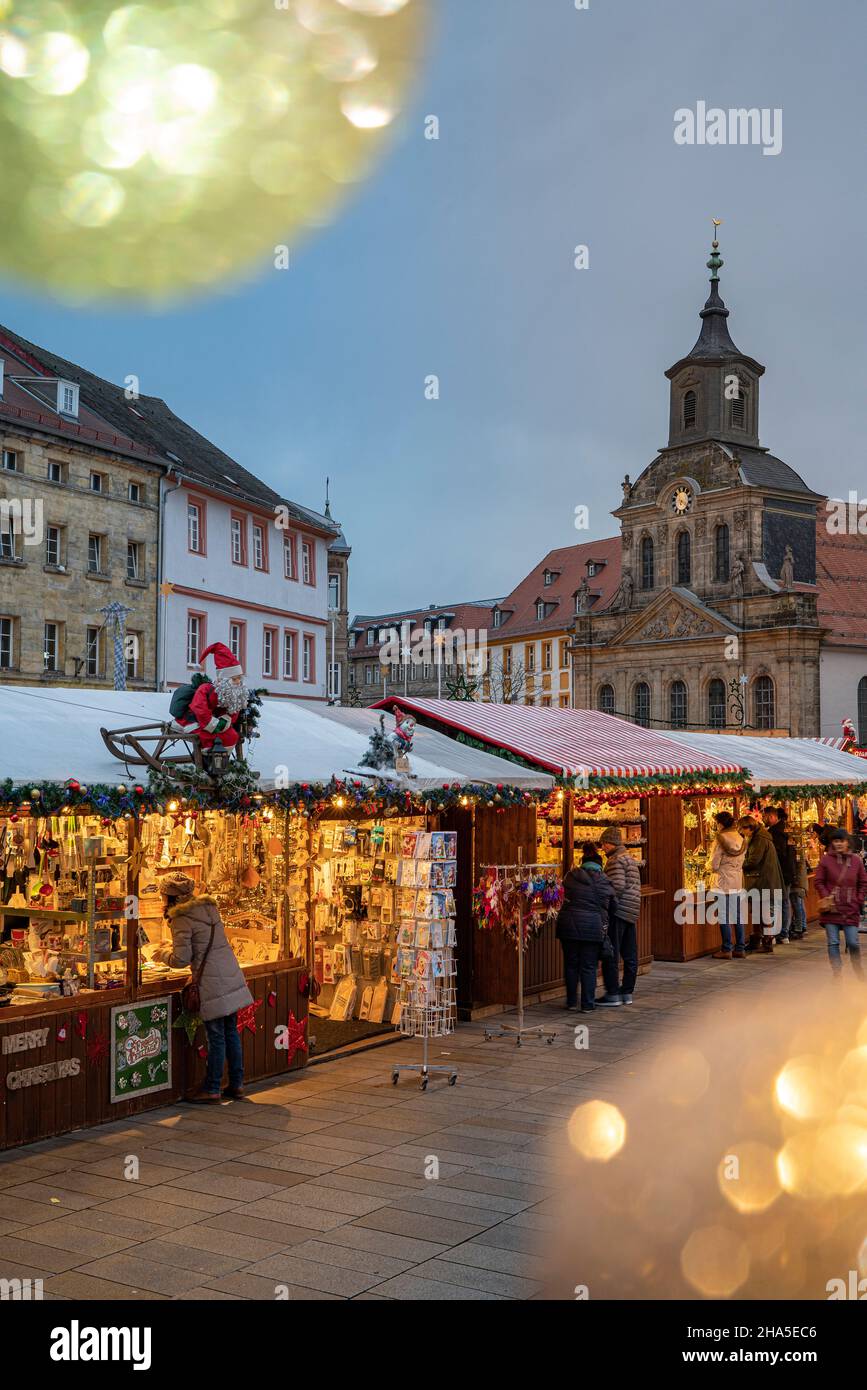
<point>247,1016</point>
<point>295,1038</point>
<point>97,1049</point>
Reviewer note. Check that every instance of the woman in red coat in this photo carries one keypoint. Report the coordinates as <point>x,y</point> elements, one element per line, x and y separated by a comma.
<point>841,882</point>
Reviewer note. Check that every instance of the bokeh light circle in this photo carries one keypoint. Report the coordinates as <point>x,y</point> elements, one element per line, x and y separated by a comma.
<point>748,1176</point>
<point>151,150</point>
<point>597,1130</point>
<point>715,1261</point>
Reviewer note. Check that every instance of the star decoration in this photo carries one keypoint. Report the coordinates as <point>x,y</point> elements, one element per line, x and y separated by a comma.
<point>166,588</point>
<point>97,1049</point>
<point>247,1016</point>
<point>294,1036</point>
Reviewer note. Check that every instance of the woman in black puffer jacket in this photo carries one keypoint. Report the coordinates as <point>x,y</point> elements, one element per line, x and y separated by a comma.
<point>581,924</point>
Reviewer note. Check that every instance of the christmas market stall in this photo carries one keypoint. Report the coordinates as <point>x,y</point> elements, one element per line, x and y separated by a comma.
<point>610,773</point>
<point>815,780</point>
<point>311,845</point>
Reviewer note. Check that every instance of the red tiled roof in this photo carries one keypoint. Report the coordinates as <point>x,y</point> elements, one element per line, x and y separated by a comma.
<point>571,562</point>
<point>564,740</point>
<point>841,571</point>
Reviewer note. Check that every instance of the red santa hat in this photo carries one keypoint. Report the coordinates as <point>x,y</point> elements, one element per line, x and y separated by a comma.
<point>218,660</point>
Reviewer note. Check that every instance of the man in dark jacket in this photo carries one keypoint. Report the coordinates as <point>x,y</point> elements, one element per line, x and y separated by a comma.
<point>775,819</point>
<point>622,871</point>
<point>762,876</point>
<point>581,925</point>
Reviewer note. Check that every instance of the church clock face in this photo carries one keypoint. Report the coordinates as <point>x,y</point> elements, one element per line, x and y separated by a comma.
<point>681,501</point>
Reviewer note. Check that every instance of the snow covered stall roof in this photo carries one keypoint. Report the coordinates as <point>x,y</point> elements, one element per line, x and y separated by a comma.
<point>783,762</point>
<point>53,735</point>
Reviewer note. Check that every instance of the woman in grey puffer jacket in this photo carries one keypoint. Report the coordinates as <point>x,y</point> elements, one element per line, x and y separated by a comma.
<point>223,988</point>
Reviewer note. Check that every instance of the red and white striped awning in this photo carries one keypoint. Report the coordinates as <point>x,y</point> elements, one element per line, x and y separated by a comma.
<point>841,743</point>
<point>569,742</point>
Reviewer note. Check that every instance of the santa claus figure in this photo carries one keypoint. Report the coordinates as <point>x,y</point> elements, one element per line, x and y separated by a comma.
<point>219,700</point>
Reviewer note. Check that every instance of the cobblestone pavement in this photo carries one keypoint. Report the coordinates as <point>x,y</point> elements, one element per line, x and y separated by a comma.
<point>317,1184</point>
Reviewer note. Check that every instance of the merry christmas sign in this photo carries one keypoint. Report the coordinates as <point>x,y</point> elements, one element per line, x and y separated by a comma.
<point>141,1052</point>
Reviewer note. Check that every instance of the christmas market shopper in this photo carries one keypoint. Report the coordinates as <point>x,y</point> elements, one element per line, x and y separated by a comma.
<point>199,940</point>
<point>581,926</point>
<point>841,883</point>
<point>726,863</point>
<point>762,876</point>
<point>775,819</point>
<point>625,877</point>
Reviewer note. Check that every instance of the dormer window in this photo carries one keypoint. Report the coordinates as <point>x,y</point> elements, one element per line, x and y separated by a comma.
<point>689,410</point>
<point>498,617</point>
<point>548,577</point>
<point>594,567</point>
<point>67,398</point>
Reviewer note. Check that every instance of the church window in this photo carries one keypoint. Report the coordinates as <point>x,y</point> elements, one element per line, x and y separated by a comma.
<point>641,704</point>
<point>862,712</point>
<point>605,701</point>
<point>689,406</point>
<point>647,576</point>
<point>721,553</point>
<point>677,705</point>
<point>684,558</point>
<point>716,704</point>
<point>764,703</point>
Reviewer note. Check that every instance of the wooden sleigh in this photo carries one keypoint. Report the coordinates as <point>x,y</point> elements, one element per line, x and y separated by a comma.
<point>170,750</point>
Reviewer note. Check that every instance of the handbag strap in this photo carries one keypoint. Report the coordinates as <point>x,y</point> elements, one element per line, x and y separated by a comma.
<point>197,978</point>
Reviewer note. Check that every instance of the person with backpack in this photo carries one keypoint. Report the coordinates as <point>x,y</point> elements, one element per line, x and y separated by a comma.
<point>624,875</point>
<point>841,883</point>
<point>582,923</point>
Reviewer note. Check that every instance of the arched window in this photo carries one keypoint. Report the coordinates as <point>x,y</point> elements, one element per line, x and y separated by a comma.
<point>764,704</point>
<point>641,704</point>
<point>862,712</point>
<point>606,699</point>
<point>738,410</point>
<point>689,402</point>
<point>677,705</point>
<point>684,558</point>
<point>721,553</point>
<point>647,575</point>
<point>716,704</point>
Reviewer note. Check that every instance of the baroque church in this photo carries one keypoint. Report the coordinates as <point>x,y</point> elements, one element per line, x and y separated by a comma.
<point>716,622</point>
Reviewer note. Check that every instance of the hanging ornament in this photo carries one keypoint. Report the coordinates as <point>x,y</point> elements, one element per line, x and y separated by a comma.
<point>272,998</point>
<point>81,1024</point>
<point>61,1033</point>
<point>190,1023</point>
<point>202,1051</point>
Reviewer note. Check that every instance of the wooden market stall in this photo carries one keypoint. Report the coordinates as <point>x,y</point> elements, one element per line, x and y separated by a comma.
<point>818,784</point>
<point>610,773</point>
<point>91,1025</point>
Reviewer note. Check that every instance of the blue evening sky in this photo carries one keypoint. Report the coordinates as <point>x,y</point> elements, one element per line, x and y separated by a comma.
<point>455,258</point>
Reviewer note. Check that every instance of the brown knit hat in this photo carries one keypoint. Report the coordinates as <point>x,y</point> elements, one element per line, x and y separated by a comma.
<point>177,886</point>
<point>612,836</point>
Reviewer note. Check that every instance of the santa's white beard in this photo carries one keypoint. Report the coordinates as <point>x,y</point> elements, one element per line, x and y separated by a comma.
<point>231,697</point>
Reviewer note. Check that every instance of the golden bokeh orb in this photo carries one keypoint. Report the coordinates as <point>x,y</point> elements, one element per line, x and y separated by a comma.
<point>597,1130</point>
<point>748,1176</point>
<point>151,150</point>
<point>715,1261</point>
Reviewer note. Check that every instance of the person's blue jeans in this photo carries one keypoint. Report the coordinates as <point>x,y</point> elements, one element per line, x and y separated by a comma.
<point>224,1045</point>
<point>732,911</point>
<point>787,916</point>
<point>799,915</point>
<point>853,947</point>
<point>624,939</point>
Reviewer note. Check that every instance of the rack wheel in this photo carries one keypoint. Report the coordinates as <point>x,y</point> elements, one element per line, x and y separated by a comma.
<point>394,1078</point>
<point>518,1042</point>
<point>423,1083</point>
<point>452,1080</point>
<point>550,1042</point>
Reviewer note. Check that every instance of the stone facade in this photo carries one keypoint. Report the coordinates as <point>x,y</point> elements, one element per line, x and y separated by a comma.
<point>715,623</point>
<point>52,589</point>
